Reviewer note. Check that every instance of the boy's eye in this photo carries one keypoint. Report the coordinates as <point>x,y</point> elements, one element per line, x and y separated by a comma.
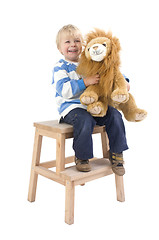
<point>77,40</point>
<point>67,41</point>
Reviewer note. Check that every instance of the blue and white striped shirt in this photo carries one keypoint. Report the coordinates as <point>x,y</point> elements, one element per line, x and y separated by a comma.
<point>69,86</point>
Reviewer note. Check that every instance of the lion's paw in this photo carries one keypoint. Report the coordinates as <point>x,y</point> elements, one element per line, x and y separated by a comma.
<point>87,100</point>
<point>88,97</point>
<point>140,115</point>
<point>95,110</point>
<point>119,98</point>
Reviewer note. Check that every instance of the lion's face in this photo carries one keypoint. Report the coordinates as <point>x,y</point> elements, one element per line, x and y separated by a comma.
<point>101,53</point>
<point>98,48</point>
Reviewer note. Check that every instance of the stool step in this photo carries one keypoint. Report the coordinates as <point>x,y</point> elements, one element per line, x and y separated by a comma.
<point>99,168</point>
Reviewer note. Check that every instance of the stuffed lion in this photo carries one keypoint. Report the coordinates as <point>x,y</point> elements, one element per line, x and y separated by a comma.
<point>101,55</point>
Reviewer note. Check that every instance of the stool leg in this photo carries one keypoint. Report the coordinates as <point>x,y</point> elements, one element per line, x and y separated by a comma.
<point>105,145</point>
<point>69,202</point>
<point>60,153</point>
<point>35,162</point>
<point>119,188</point>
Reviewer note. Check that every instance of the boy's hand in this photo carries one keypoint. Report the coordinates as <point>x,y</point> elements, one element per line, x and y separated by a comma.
<point>91,80</point>
<point>128,86</point>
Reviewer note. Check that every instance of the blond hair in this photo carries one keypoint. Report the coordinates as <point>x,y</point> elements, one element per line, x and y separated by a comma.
<point>67,29</point>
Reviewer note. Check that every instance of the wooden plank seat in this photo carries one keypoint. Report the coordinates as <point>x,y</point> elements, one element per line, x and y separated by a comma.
<point>68,176</point>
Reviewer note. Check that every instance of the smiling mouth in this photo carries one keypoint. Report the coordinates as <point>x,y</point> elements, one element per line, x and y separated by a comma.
<point>72,51</point>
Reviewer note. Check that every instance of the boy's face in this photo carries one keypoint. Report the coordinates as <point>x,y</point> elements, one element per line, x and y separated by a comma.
<point>71,47</point>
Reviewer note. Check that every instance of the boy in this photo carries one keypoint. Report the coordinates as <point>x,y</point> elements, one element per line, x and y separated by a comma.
<point>69,86</point>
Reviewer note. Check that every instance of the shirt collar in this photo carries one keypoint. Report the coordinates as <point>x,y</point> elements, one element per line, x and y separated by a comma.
<point>69,62</point>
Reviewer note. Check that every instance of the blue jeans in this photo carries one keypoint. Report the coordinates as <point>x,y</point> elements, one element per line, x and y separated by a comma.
<point>83,124</point>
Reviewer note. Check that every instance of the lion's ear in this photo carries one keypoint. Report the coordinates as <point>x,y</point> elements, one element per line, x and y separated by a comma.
<point>116,43</point>
<point>114,52</point>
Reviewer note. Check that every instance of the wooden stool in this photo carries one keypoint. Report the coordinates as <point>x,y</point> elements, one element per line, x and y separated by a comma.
<point>69,176</point>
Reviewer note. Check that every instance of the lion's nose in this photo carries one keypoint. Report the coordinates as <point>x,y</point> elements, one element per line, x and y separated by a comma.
<point>95,47</point>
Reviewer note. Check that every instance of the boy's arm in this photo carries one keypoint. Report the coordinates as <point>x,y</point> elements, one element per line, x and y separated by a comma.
<point>91,80</point>
<point>127,82</point>
<point>65,86</point>
<point>126,78</point>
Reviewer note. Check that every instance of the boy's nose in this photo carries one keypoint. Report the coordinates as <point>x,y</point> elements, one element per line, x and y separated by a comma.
<point>73,44</point>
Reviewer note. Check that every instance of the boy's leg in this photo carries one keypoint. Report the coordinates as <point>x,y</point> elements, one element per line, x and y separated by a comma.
<point>117,138</point>
<point>83,124</point>
<point>115,129</point>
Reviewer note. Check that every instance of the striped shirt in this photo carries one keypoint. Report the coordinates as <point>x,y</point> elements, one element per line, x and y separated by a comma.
<point>68,86</point>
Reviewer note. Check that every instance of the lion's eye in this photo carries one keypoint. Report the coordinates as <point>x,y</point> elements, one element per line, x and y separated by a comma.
<point>104,44</point>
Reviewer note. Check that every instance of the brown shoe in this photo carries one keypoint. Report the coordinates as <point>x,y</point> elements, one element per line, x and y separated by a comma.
<point>117,162</point>
<point>82,165</point>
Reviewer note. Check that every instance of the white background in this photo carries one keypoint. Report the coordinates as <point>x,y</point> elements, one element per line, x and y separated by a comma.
<point>27,55</point>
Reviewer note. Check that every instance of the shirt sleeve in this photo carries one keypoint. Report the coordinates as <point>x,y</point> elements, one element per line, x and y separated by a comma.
<point>65,86</point>
<point>126,78</point>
